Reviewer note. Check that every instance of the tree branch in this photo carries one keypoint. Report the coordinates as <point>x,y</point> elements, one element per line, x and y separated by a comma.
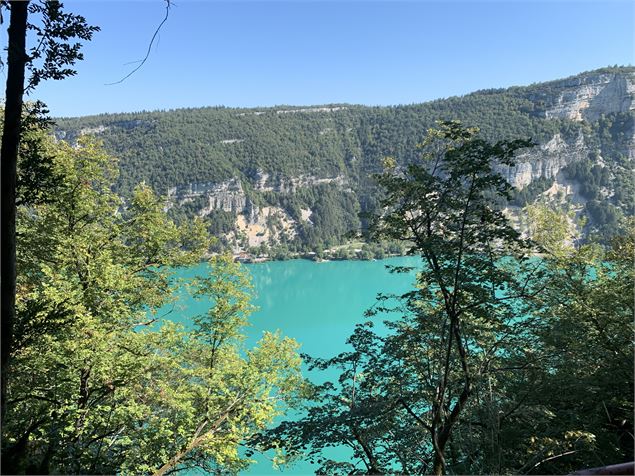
<point>168,4</point>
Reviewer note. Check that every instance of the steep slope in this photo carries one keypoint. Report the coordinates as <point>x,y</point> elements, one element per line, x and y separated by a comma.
<point>299,176</point>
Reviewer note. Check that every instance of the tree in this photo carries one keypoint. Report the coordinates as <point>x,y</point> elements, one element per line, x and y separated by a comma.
<point>471,289</point>
<point>51,58</point>
<point>554,230</point>
<point>101,381</point>
<point>8,170</point>
<point>581,414</point>
<point>402,394</point>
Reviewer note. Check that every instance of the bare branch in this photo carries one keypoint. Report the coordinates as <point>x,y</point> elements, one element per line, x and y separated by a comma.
<point>168,4</point>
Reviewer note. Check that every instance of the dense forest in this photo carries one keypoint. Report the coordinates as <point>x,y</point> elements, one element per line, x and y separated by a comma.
<point>284,156</point>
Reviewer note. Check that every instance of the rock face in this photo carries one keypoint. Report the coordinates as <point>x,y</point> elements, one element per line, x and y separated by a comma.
<point>228,196</point>
<point>264,182</point>
<point>254,225</point>
<point>544,161</point>
<point>256,228</point>
<point>587,97</point>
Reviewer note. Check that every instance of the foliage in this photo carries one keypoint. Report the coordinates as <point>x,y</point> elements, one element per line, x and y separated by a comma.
<point>51,58</point>
<point>103,383</point>
<point>54,55</point>
<point>401,395</point>
<point>580,411</point>
<point>554,230</point>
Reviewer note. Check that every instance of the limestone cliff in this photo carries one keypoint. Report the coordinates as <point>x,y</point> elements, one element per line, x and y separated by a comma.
<point>254,224</point>
<point>589,96</point>
<point>583,98</point>
<point>264,182</point>
<point>228,196</point>
<point>545,161</point>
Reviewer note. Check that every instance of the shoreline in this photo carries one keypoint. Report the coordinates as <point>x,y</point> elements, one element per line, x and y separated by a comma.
<point>247,258</point>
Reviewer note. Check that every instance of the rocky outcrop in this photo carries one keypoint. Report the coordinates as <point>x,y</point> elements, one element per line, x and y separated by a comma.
<point>254,224</point>
<point>266,225</point>
<point>228,195</point>
<point>544,161</point>
<point>264,182</point>
<point>587,97</point>
<point>71,136</point>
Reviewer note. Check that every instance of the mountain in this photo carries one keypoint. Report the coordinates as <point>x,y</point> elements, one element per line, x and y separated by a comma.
<point>300,176</point>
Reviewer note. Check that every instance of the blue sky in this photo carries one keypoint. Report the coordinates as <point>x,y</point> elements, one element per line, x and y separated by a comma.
<point>263,53</point>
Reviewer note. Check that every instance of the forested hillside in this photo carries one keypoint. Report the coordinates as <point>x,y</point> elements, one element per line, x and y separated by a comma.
<point>299,178</point>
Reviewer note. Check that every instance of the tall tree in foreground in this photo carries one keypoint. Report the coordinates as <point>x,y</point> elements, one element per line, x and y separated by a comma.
<point>469,311</point>
<point>403,393</point>
<point>52,57</point>
<point>16,61</point>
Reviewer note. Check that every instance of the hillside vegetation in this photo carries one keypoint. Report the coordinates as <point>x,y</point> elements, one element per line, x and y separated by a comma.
<point>304,174</point>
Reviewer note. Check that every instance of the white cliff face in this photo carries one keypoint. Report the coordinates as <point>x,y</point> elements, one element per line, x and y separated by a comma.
<point>582,98</point>
<point>254,225</point>
<point>264,182</point>
<point>228,195</point>
<point>544,161</point>
<point>588,97</point>
<point>257,227</point>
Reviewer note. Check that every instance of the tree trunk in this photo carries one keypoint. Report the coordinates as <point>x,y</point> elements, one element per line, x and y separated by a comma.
<point>16,62</point>
<point>439,464</point>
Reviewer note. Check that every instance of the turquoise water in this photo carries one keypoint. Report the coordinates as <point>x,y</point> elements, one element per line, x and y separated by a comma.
<point>318,304</point>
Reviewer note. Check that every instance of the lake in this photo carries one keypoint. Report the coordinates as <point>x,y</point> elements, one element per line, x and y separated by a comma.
<point>316,303</point>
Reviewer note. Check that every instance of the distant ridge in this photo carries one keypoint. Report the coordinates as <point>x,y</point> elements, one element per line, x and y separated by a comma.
<point>286,159</point>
